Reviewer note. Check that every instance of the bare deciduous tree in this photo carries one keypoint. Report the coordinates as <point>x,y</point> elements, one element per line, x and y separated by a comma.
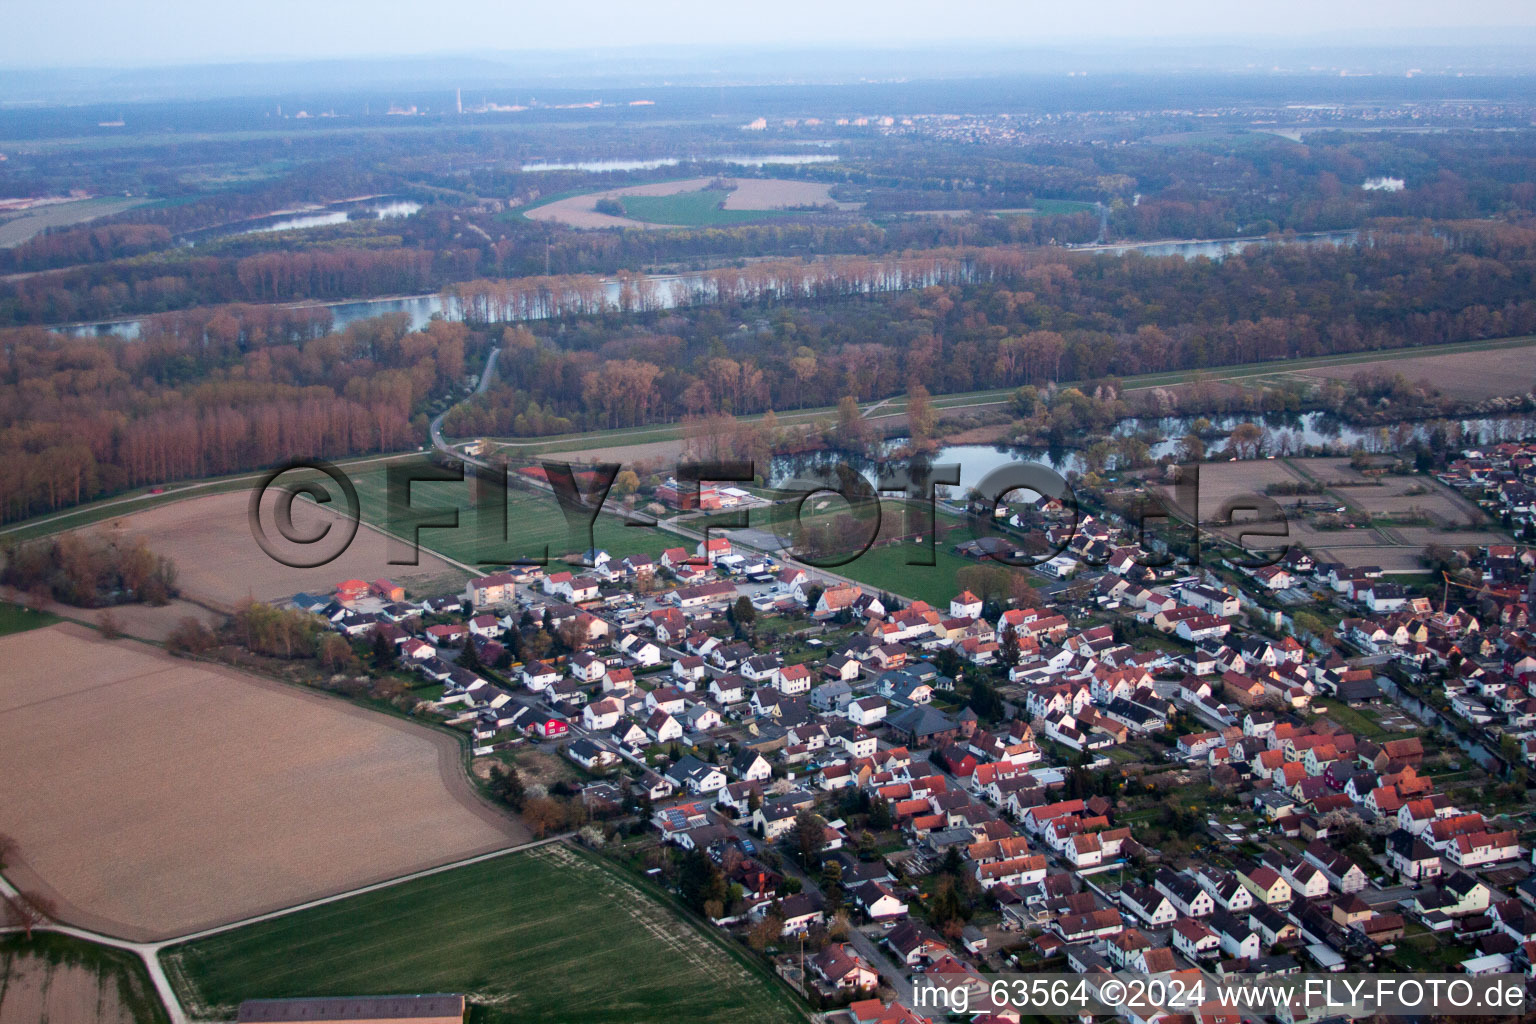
<point>29,910</point>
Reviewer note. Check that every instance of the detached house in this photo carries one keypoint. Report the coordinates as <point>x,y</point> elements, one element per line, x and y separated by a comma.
<point>1266,884</point>
<point>644,652</point>
<point>841,968</point>
<point>750,766</point>
<point>836,598</point>
<point>791,680</point>
<point>1153,907</point>
<point>728,689</point>
<point>698,776</point>
<point>1411,857</point>
<point>602,715</point>
<point>867,711</point>
<point>1194,940</point>
<point>538,675</point>
<point>1343,874</point>
<point>662,727</point>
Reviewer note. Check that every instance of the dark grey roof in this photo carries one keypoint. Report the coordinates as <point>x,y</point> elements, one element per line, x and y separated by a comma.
<point>352,1008</point>
<point>921,720</point>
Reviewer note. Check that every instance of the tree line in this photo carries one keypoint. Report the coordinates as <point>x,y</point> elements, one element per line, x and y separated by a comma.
<point>219,392</point>
<point>1004,318</point>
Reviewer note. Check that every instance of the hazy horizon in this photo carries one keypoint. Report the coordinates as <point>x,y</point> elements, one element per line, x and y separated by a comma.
<point>98,34</point>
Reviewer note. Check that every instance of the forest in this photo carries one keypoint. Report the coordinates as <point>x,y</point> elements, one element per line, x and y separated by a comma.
<point>216,390</point>
<point>173,253</point>
<point>963,269</point>
<point>1038,318</point>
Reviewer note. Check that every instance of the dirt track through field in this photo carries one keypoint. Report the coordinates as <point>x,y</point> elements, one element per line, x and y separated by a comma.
<point>151,796</point>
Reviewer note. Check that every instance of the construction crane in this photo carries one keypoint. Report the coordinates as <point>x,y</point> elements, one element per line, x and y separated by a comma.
<point>1445,600</point>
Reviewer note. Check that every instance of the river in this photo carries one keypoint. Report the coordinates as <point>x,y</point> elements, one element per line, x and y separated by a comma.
<point>1434,719</point>
<point>673,288</point>
<point>1220,248</point>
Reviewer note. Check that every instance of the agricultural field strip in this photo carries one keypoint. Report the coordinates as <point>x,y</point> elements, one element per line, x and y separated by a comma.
<point>146,893</point>
<point>304,954</point>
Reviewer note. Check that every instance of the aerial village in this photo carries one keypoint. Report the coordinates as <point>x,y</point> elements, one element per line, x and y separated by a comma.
<point>1144,768</point>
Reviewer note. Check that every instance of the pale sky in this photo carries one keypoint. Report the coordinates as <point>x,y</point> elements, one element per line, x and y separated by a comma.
<point>125,32</point>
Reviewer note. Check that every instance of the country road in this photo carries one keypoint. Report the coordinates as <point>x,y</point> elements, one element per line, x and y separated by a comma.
<point>436,427</point>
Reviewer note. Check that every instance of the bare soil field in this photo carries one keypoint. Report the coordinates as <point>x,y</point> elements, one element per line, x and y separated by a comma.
<point>1423,535</point>
<point>148,622</point>
<point>1469,376</point>
<point>750,194</point>
<point>1394,548</point>
<point>1338,547</point>
<point>1221,482</point>
<point>219,563</point>
<point>34,991</point>
<point>1395,497</point>
<point>781,194</point>
<point>668,453</point>
<point>581,211</point>
<point>152,797</point>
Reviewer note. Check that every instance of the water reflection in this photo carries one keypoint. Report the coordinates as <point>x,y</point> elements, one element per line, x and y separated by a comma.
<point>671,289</point>
<point>386,211</point>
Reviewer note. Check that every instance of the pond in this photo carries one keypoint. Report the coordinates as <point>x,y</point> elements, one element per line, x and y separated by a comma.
<point>1289,433</point>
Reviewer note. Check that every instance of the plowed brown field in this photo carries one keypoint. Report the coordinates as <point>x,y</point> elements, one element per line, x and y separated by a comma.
<point>153,797</point>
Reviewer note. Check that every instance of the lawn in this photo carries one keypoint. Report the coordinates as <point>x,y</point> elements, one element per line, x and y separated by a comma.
<point>690,209</point>
<point>886,568</point>
<point>548,935</point>
<point>16,619</point>
<point>1356,721</point>
<point>1423,951</point>
<point>534,520</point>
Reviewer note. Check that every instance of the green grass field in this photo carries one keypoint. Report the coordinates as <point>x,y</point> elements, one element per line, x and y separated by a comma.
<point>1052,206</point>
<point>16,619</point>
<point>534,520</point>
<point>886,568</point>
<point>551,935</point>
<point>115,969</point>
<point>690,209</point>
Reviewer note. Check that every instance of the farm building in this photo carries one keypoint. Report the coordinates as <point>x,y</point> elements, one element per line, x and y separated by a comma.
<point>433,1009</point>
